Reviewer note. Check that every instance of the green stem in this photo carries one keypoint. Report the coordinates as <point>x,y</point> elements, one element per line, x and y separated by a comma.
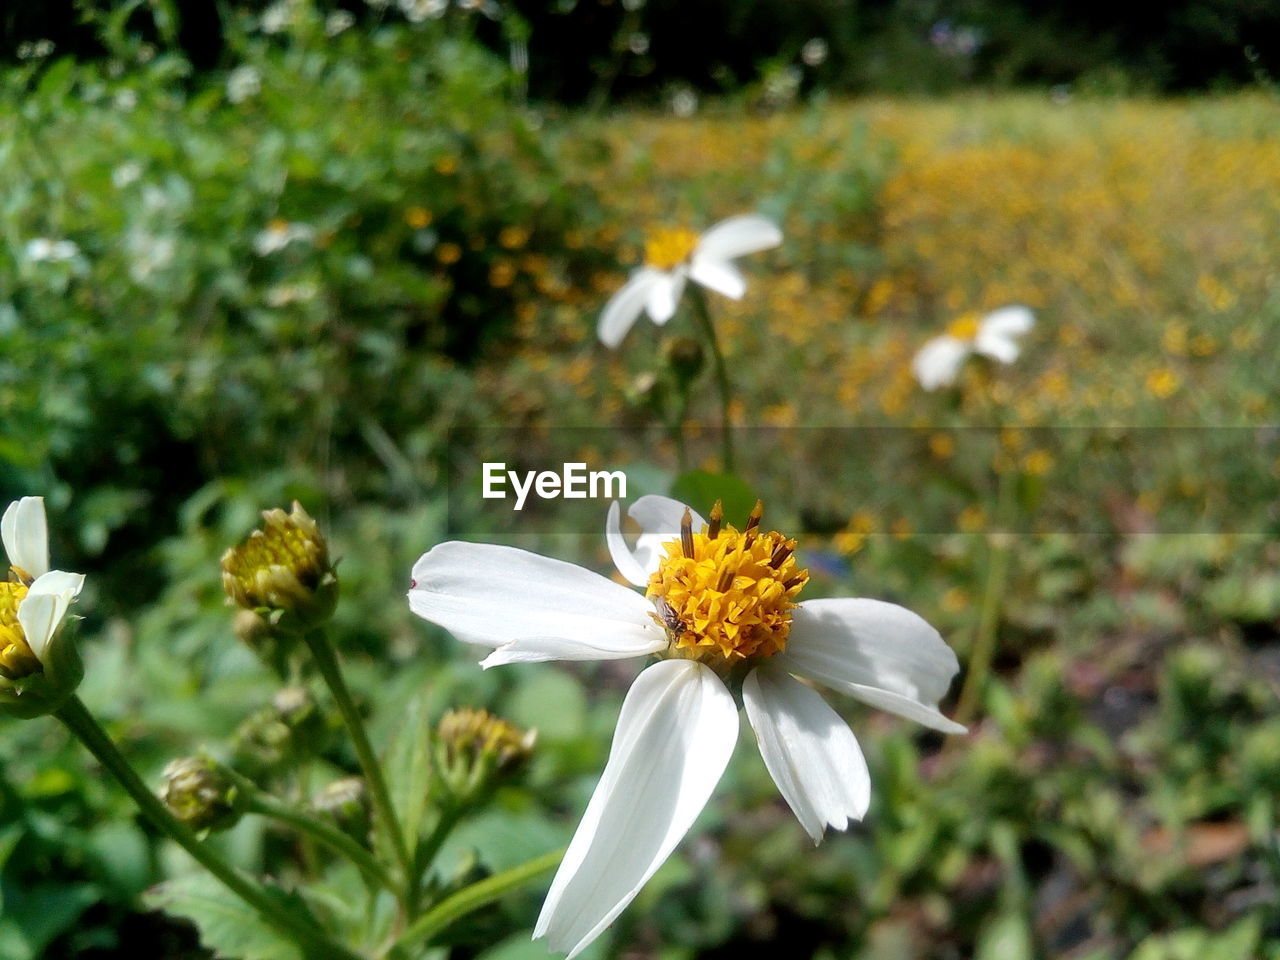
<point>327,661</point>
<point>427,850</point>
<point>81,723</point>
<point>471,898</point>
<point>263,804</point>
<point>984,644</point>
<point>720,368</point>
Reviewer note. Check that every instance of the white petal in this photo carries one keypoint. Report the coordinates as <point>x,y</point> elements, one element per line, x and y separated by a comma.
<point>622,309</point>
<point>26,535</point>
<point>810,752</point>
<point>718,275</point>
<point>664,296</point>
<point>494,595</point>
<point>659,519</point>
<point>44,606</point>
<point>738,236</point>
<point>999,330</point>
<point>622,556</point>
<point>938,362</point>
<point>1007,322</point>
<point>879,652</point>
<point>675,735</point>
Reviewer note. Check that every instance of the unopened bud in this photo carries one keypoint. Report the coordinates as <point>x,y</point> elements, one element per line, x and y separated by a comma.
<point>346,802</point>
<point>282,572</point>
<point>291,729</point>
<point>476,748</point>
<point>685,357</point>
<point>200,794</point>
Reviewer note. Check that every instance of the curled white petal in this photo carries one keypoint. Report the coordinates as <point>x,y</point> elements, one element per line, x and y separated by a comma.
<point>878,652</point>
<point>738,236</point>
<point>664,295</point>
<point>26,535</point>
<point>659,519</point>
<point>809,751</point>
<point>718,275</point>
<point>938,362</point>
<point>494,595</point>
<point>623,558</point>
<point>43,608</point>
<point>625,306</point>
<point>675,735</point>
<point>998,332</point>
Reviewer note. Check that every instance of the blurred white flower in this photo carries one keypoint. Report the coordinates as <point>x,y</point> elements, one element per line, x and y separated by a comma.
<point>46,250</point>
<point>674,256</point>
<point>284,294</point>
<point>278,234</point>
<point>814,52</point>
<point>938,362</point>
<point>149,253</point>
<point>338,21</point>
<point>243,82</point>
<point>684,102</point>
<point>34,49</point>
<point>125,174</point>
<point>719,613</point>
<point>416,11</point>
<point>276,17</point>
<point>638,43</point>
<point>125,99</point>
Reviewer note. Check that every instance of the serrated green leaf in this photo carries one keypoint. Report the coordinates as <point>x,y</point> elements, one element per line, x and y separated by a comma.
<point>228,926</point>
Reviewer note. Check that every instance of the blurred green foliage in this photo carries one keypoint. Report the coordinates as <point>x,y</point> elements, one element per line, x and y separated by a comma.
<point>290,279</point>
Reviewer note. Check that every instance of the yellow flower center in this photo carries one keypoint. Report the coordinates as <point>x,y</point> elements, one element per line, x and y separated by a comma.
<point>724,595</point>
<point>16,658</point>
<point>668,247</point>
<point>964,327</point>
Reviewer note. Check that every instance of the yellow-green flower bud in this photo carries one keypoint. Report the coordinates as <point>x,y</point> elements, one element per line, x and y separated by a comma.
<point>288,731</point>
<point>282,572</point>
<point>200,794</point>
<point>346,802</point>
<point>474,749</point>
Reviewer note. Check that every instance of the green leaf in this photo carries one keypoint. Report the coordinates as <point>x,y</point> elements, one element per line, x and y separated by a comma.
<point>408,769</point>
<point>700,490</point>
<point>551,702</point>
<point>228,926</point>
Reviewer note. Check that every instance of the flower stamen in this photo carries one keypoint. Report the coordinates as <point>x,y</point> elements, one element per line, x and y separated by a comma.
<point>17,660</point>
<point>724,596</point>
<point>669,247</point>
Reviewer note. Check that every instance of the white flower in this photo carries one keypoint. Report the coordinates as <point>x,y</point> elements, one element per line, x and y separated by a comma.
<point>338,21</point>
<point>34,600</point>
<point>674,256</point>
<point>45,250</point>
<point>938,362</point>
<point>278,234</point>
<point>243,82</point>
<point>719,614</point>
<point>814,52</point>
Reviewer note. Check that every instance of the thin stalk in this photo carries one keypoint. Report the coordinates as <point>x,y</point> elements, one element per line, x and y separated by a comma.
<point>984,644</point>
<point>81,723</point>
<point>720,369</point>
<point>327,661</point>
<point>427,850</point>
<point>263,804</point>
<point>472,898</point>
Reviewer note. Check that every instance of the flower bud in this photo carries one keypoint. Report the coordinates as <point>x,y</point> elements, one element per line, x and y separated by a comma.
<point>291,729</point>
<point>282,573</point>
<point>685,357</point>
<point>200,794</point>
<point>474,749</point>
<point>346,802</point>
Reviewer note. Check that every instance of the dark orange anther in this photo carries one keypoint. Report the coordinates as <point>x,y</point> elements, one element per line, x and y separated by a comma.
<point>717,514</point>
<point>686,533</point>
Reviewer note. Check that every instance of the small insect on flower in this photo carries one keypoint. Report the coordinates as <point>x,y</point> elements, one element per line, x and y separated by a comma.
<point>938,362</point>
<point>719,613</point>
<point>674,256</point>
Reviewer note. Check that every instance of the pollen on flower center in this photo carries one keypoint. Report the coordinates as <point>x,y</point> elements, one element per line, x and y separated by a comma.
<point>964,327</point>
<point>725,595</point>
<point>16,657</point>
<point>668,247</point>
